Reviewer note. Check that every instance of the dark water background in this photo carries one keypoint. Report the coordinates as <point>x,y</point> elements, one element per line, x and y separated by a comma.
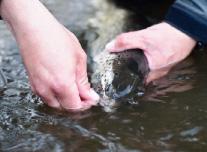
<point>171,116</point>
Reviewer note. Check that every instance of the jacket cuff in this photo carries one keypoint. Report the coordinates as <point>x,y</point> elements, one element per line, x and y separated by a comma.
<point>188,22</point>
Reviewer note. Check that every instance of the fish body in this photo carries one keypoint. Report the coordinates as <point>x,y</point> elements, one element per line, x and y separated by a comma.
<point>119,76</point>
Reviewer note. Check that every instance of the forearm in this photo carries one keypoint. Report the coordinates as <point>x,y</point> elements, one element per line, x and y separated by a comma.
<point>25,16</point>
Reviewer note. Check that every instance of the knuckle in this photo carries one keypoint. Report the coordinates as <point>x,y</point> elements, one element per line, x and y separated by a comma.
<point>60,86</point>
<point>120,40</point>
<point>84,81</point>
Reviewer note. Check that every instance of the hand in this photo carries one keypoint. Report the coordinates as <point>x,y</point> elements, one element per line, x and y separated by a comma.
<point>54,59</point>
<point>163,45</point>
<point>57,70</point>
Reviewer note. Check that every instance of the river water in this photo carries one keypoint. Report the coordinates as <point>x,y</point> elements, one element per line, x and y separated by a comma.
<point>171,116</point>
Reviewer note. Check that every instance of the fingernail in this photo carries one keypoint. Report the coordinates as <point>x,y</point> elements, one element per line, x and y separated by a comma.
<point>94,95</point>
<point>110,45</point>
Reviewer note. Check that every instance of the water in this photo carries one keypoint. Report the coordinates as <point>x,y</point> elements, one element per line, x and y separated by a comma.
<point>171,116</point>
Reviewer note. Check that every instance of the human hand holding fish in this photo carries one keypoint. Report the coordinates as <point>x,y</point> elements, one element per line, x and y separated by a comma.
<point>162,44</point>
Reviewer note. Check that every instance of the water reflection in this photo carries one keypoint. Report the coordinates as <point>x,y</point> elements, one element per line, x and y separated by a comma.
<point>179,78</point>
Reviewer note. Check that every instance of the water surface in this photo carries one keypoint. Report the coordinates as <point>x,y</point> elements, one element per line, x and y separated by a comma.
<point>171,116</point>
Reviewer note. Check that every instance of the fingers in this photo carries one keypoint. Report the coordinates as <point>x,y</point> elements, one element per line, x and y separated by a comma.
<point>130,40</point>
<point>156,74</point>
<point>47,96</point>
<point>65,82</point>
<point>74,92</point>
<point>51,100</point>
<point>61,94</point>
<point>63,97</point>
<point>67,94</point>
<point>87,94</point>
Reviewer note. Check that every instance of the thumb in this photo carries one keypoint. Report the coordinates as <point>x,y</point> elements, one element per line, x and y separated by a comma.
<point>125,41</point>
<point>87,94</point>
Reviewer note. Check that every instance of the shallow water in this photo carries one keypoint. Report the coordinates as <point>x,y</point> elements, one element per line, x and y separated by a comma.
<point>171,116</point>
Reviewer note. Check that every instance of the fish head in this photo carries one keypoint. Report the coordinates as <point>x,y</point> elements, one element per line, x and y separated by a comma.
<point>120,75</point>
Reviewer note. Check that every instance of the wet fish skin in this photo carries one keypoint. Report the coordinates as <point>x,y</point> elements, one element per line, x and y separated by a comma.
<point>119,76</point>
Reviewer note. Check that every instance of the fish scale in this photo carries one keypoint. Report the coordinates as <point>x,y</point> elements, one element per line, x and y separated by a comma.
<point>111,81</point>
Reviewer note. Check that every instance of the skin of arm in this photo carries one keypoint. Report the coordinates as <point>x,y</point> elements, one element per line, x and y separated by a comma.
<point>53,57</point>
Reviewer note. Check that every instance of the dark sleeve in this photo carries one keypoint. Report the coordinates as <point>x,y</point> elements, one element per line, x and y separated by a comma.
<point>189,16</point>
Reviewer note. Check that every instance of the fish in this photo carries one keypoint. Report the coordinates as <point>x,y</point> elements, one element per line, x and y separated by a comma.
<point>119,77</point>
<point>114,76</point>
